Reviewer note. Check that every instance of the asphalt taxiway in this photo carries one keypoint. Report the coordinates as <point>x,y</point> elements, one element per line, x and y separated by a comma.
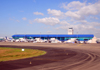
<point>53,55</point>
<point>58,57</point>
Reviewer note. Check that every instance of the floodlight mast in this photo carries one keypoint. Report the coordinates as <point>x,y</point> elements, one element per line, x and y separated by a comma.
<point>77,35</point>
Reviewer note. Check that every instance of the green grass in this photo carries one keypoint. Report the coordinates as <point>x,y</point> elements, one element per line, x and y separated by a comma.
<point>7,54</point>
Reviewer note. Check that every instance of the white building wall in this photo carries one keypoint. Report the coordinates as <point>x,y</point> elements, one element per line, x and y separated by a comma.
<point>70,31</point>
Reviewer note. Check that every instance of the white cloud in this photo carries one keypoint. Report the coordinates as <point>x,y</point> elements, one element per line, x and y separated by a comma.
<point>82,21</point>
<point>94,24</point>
<point>54,12</point>
<point>24,18</point>
<point>93,17</point>
<point>73,15</point>
<point>75,5</point>
<point>89,27</point>
<point>78,27</point>
<point>49,21</point>
<point>38,13</point>
<point>81,10</point>
<point>64,22</point>
<point>90,9</point>
<point>78,13</point>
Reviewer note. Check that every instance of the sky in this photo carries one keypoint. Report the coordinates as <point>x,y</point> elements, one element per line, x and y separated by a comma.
<point>49,17</point>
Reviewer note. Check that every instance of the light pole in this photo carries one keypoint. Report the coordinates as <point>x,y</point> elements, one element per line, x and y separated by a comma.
<point>77,36</point>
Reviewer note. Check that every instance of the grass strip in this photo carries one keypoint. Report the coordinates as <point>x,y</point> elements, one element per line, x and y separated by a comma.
<point>7,54</point>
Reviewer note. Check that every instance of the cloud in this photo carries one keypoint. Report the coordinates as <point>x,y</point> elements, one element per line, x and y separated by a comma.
<point>38,13</point>
<point>81,10</point>
<point>92,9</point>
<point>74,15</point>
<point>78,12</point>
<point>24,18</point>
<point>93,17</point>
<point>49,21</point>
<point>75,5</point>
<point>89,27</point>
<point>82,21</point>
<point>64,22</point>
<point>79,27</point>
<point>56,13</point>
<point>95,24</point>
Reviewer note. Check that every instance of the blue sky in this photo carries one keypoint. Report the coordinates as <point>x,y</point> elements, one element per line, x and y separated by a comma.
<point>49,17</point>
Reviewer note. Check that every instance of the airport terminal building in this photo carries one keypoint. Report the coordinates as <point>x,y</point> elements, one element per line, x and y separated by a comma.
<point>60,37</point>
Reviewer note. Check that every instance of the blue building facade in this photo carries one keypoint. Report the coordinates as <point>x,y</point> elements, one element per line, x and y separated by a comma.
<point>60,37</point>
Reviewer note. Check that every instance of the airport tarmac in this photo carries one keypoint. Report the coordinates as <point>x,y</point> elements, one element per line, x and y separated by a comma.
<point>59,57</point>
